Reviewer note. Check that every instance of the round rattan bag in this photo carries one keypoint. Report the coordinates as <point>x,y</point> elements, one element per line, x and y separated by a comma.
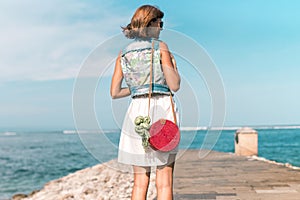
<point>164,135</point>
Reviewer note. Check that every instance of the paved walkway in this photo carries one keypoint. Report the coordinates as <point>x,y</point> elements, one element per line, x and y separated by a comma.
<point>224,176</point>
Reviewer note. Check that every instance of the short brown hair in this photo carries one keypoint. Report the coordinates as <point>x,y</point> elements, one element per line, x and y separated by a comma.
<point>141,19</point>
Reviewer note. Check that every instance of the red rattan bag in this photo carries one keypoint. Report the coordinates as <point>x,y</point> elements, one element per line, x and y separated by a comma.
<point>164,135</point>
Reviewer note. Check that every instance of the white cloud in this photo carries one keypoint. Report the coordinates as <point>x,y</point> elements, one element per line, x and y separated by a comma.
<point>50,39</point>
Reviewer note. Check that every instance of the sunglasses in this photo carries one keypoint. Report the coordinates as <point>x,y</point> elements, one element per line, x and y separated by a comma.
<point>161,24</point>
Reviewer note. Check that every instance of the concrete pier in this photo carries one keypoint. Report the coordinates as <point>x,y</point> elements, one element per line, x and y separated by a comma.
<point>224,176</point>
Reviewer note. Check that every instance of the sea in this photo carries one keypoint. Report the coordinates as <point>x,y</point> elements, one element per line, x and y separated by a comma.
<point>30,159</point>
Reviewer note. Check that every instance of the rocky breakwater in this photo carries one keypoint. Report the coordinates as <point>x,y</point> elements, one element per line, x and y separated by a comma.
<point>110,180</point>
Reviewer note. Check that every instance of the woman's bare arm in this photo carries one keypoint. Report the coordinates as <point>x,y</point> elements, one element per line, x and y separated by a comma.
<point>169,68</point>
<point>116,91</point>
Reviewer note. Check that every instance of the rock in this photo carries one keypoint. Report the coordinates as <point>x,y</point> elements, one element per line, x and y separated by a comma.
<point>107,181</point>
<point>19,196</point>
<point>33,192</point>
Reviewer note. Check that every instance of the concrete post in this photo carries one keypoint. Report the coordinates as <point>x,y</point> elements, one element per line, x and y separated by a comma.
<point>246,142</point>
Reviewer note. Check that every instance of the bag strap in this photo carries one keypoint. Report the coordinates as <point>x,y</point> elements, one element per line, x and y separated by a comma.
<point>150,87</point>
<point>151,73</point>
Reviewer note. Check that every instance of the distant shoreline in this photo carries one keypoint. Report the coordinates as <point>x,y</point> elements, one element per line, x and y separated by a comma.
<point>186,128</point>
<point>11,130</point>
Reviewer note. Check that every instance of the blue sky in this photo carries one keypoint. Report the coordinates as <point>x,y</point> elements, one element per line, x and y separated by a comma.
<point>254,44</point>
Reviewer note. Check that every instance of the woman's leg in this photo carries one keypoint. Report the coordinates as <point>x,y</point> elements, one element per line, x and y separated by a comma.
<point>141,182</point>
<point>164,180</point>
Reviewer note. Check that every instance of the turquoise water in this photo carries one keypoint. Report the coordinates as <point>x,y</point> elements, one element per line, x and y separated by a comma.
<point>28,160</point>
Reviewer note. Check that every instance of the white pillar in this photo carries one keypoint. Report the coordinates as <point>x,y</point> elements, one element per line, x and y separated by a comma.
<point>246,142</point>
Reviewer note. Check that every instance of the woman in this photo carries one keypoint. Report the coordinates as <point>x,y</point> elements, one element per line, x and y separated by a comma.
<point>133,64</point>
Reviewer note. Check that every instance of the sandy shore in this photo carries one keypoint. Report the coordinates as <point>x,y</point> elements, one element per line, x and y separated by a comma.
<point>100,182</point>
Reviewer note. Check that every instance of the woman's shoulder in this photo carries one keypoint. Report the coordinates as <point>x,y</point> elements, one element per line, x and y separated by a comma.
<point>163,45</point>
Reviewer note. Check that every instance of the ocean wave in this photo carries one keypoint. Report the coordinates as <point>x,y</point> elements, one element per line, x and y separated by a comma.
<point>8,133</point>
<point>273,162</point>
<point>200,128</point>
<point>228,128</point>
<point>90,131</point>
<point>286,127</point>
